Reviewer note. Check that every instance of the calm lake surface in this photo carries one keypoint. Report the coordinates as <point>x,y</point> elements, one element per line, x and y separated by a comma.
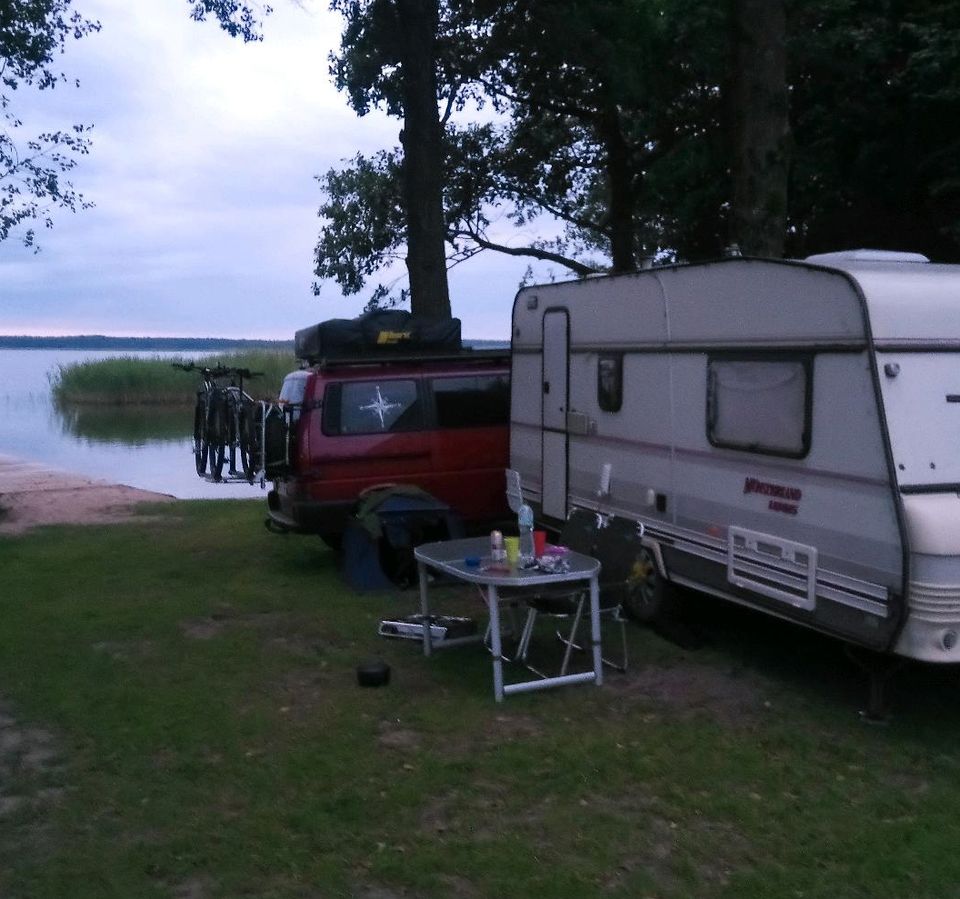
<point>152,450</point>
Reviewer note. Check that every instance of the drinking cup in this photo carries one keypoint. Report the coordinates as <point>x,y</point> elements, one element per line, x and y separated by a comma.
<point>539,543</point>
<point>512,546</point>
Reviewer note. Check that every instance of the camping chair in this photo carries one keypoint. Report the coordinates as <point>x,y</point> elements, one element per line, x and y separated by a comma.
<point>582,533</point>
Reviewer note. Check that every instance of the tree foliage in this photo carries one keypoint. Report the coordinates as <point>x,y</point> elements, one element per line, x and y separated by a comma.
<point>635,128</point>
<point>593,129</point>
<point>237,19</point>
<point>875,105</point>
<point>32,169</point>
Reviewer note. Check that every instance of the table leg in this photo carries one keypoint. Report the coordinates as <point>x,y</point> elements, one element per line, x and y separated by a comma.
<point>495,646</point>
<point>424,608</point>
<point>595,628</point>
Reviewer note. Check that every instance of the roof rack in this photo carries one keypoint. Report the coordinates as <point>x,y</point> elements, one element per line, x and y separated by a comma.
<point>466,354</point>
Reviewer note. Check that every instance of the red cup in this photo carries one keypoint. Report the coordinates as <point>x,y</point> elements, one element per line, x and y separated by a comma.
<point>539,543</point>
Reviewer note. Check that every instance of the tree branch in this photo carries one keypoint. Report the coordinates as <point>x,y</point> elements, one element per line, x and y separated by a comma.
<point>578,268</point>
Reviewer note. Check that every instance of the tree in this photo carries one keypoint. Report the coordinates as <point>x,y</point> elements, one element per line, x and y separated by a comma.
<point>389,54</point>
<point>639,129</point>
<point>760,129</point>
<point>875,111</point>
<point>599,130</point>
<point>32,185</point>
<point>237,19</point>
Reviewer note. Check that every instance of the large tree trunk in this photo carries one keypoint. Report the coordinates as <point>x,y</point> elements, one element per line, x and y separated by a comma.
<point>620,180</point>
<point>761,129</point>
<point>422,159</point>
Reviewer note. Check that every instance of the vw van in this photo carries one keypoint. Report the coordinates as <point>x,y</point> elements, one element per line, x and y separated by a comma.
<point>438,421</point>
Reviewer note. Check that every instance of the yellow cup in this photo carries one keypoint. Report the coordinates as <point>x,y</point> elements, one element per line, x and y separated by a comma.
<point>512,546</point>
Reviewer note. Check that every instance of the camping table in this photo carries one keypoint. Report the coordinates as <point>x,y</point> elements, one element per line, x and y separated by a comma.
<point>450,557</point>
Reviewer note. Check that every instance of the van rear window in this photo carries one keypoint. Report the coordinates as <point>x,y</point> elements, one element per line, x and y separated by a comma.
<point>372,407</point>
<point>471,402</point>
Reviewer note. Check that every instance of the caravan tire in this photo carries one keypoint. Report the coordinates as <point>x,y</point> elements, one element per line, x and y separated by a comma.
<point>646,591</point>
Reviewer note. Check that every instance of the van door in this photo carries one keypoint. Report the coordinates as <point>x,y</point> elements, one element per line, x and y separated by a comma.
<point>555,381</point>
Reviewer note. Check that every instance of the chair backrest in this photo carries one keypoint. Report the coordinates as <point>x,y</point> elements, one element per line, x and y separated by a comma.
<point>579,532</point>
<point>514,491</point>
<point>616,548</point>
<point>614,545</point>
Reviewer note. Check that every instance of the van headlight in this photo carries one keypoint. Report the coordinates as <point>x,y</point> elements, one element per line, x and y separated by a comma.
<point>948,640</point>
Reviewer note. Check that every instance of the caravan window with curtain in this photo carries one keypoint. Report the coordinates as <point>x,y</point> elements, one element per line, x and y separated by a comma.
<point>610,382</point>
<point>759,405</point>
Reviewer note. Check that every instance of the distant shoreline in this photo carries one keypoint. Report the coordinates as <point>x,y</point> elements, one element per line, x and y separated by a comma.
<point>101,342</point>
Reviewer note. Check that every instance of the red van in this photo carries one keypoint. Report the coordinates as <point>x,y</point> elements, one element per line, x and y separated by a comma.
<point>440,422</point>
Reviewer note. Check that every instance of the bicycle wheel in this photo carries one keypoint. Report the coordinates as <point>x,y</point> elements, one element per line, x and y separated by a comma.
<point>232,432</point>
<point>216,428</point>
<point>248,442</point>
<point>199,436</point>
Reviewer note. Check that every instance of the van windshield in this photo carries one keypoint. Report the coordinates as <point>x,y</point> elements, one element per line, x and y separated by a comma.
<point>921,396</point>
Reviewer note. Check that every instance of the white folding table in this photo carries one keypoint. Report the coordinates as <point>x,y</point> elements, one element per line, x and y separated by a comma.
<point>449,557</point>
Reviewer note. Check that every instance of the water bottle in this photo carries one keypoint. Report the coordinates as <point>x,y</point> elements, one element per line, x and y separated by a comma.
<point>498,553</point>
<point>525,526</point>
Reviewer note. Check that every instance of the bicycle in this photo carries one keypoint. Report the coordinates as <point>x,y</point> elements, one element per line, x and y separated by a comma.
<point>224,423</point>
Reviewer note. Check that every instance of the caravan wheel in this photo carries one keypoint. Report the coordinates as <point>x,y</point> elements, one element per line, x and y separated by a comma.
<point>646,591</point>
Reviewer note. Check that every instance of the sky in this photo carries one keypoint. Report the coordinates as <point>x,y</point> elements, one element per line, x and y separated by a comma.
<point>203,171</point>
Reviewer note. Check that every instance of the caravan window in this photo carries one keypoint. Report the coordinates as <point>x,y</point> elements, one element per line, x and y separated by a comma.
<point>759,405</point>
<point>610,381</point>
<point>372,407</point>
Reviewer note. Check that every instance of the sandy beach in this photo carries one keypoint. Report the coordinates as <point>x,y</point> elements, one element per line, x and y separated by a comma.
<point>32,495</point>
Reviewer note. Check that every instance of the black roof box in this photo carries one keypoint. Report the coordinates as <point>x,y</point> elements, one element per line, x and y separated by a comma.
<point>382,332</point>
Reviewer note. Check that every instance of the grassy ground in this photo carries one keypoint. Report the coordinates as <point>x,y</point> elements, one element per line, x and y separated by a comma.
<point>179,718</point>
<point>133,380</point>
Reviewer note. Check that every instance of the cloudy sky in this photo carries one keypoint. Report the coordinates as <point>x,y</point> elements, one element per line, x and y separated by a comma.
<point>202,171</point>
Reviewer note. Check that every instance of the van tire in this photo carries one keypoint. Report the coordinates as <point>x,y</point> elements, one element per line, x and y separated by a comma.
<point>646,594</point>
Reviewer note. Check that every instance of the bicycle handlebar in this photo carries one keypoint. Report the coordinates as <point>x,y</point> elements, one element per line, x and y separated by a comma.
<point>221,371</point>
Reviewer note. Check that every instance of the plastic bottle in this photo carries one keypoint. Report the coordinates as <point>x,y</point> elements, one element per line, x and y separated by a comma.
<point>525,527</point>
<point>498,553</point>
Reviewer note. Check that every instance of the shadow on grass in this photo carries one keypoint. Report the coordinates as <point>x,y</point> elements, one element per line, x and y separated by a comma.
<point>814,668</point>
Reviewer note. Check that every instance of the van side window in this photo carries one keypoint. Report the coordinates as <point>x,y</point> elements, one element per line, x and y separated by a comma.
<point>293,388</point>
<point>372,407</point>
<point>610,381</point>
<point>759,405</point>
<point>292,392</point>
<point>472,402</point>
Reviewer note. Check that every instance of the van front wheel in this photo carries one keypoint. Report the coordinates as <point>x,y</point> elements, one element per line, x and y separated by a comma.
<point>646,590</point>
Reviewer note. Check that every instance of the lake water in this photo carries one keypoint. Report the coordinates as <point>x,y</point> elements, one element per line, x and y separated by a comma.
<point>152,450</point>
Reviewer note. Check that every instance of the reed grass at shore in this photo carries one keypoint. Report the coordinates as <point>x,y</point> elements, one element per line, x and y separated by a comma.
<point>126,380</point>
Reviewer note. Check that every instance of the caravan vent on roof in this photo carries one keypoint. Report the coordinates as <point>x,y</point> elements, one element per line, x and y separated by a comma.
<point>865,256</point>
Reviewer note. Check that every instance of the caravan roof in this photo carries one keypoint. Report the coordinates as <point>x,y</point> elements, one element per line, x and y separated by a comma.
<point>909,298</point>
<point>759,301</point>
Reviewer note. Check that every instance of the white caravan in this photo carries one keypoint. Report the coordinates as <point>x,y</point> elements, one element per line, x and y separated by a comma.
<point>788,433</point>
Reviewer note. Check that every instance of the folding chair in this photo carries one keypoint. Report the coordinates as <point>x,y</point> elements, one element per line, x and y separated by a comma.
<point>582,533</point>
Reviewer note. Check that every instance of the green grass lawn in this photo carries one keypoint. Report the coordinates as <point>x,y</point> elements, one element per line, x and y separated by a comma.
<point>179,717</point>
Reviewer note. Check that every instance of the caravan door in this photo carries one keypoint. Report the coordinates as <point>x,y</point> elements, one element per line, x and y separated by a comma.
<point>556,365</point>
